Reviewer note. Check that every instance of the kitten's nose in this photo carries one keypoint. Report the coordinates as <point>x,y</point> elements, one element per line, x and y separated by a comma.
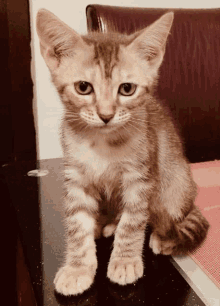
<point>106,118</point>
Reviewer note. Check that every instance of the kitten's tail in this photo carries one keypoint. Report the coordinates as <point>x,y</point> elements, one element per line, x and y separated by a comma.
<point>191,232</point>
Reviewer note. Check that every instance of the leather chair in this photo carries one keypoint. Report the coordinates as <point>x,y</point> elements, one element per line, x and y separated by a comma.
<point>189,80</point>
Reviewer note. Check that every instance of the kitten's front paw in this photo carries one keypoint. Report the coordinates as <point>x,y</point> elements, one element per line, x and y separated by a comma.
<point>159,246</point>
<point>125,270</point>
<point>73,280</point>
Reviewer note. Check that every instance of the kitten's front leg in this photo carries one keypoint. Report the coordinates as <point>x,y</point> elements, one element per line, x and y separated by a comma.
<point>78,272</point>
<point>126,263</point>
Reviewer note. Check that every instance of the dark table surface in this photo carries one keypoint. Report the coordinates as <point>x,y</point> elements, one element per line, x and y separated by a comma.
<point>37,205</point>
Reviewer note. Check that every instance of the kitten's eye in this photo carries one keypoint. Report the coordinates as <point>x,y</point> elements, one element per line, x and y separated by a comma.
<point>127,89</point>
<point>83,88</point>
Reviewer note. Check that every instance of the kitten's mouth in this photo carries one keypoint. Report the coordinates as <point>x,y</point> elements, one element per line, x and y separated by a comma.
<point>107,128</point>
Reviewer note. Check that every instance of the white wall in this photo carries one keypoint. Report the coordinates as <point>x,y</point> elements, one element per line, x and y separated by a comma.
<point>47,106</point>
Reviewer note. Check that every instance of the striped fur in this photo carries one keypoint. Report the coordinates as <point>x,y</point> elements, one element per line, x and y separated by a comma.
<point>124,173</point>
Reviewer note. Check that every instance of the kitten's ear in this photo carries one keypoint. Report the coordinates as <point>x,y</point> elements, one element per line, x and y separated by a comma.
<point>56,38</point>
<point>150,43</point>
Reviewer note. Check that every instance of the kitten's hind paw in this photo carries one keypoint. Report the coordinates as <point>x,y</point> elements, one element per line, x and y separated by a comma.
<point>125,271</point>
<point>108,230</point>
<point>72,280</point>
<point>159,246</point>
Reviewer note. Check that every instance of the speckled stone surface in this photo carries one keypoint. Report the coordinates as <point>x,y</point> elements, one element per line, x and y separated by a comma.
<point>38,205</point>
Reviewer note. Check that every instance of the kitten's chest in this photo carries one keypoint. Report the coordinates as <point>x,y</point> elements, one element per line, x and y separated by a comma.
<point>102,163</point>
<point>94,163</point>
<point>97,160</point>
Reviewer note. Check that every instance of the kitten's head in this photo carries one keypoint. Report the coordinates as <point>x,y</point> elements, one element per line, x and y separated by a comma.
<point>104,80</point>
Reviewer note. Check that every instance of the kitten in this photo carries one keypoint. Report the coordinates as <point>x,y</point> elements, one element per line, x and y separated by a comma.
<point>124,162</point>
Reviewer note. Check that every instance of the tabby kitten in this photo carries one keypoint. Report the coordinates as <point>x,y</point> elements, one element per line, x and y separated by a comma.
<point>124,162</point>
